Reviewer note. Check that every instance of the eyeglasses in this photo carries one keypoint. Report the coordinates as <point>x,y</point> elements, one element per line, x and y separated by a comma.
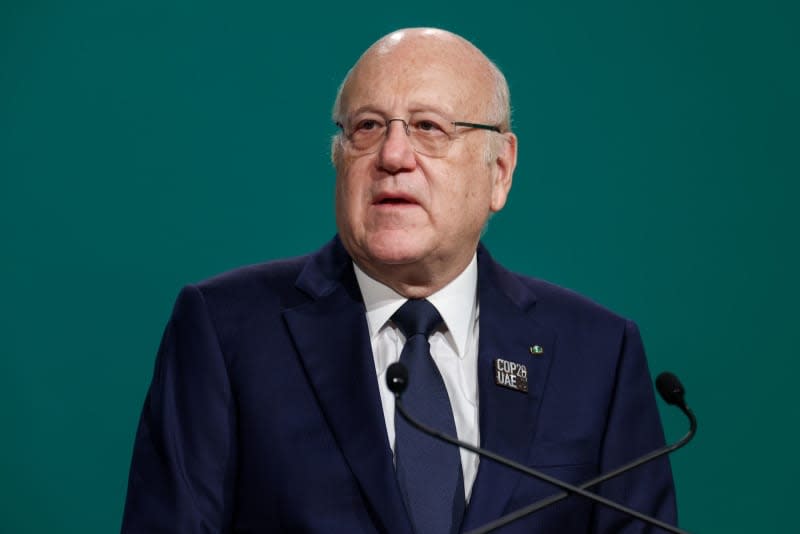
<point>429,133</point>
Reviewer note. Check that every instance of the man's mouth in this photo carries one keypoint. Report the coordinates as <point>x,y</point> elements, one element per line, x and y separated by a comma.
<point>394,200</point>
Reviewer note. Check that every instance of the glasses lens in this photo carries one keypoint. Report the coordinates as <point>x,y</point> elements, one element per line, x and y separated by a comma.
<point>365,133</point>
<point>429,134</point>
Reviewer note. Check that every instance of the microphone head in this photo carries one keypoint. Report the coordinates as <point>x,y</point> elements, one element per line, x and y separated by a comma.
<point>670,389</point>
<point>397,378</point>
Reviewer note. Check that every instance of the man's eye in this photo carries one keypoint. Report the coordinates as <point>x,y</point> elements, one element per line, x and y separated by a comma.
<point>428,127</point>
<point>367,125</point>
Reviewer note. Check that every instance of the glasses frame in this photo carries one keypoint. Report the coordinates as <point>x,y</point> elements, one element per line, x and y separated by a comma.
<point>388,122</point>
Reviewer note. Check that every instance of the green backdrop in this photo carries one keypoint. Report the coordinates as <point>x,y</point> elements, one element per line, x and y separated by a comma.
<point>147,144</point>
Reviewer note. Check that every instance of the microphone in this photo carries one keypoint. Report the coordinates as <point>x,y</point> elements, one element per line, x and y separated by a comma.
<point>397,381</point>
<point>670,389</point>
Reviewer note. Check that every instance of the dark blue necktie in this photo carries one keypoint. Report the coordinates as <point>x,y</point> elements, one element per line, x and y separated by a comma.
<point>428,470</point>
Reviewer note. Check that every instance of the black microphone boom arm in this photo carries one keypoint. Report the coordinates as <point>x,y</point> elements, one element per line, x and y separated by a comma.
<point>538,505</point>
<point>397,380</point>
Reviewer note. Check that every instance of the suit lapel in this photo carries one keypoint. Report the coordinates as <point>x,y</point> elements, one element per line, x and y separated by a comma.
<point>331,336</point>
<point>507,417</point>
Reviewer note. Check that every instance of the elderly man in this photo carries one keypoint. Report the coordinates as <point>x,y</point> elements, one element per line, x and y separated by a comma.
<point>268,410</point>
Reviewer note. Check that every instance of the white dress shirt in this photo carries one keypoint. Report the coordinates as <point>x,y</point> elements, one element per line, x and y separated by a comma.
<point>454,349</point>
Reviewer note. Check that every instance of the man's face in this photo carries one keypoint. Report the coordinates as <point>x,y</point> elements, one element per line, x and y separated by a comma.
<point>401,211</point>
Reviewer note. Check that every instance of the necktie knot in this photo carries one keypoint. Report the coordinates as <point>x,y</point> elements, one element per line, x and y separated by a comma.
<point>417,316</point>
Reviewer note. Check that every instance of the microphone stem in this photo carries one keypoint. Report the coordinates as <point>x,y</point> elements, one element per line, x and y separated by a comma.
<point>524,469</point>
<point>538,505</point>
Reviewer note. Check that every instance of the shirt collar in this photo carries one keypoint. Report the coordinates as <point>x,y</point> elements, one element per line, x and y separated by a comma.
<point>456,303</point>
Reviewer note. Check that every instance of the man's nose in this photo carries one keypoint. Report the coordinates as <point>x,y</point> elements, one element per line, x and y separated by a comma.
<point>396,153</point>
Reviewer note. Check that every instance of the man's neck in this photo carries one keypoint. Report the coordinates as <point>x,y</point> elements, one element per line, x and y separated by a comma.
<point>415,281</point>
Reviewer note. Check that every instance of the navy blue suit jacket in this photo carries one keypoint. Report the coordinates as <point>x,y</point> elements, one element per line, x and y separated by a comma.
<point>264,414</point>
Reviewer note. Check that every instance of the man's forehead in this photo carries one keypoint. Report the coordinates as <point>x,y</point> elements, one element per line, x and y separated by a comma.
<point>424,80</point>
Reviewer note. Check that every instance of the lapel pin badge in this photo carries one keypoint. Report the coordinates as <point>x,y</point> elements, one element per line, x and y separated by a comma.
<point>511,375</point>
<point>536,350</point>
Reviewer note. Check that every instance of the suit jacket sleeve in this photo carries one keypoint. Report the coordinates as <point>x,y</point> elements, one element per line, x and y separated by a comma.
<point>633,429</point>
<point>184,452</point>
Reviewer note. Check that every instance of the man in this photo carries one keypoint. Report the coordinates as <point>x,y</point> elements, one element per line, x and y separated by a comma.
<point>268,410</point>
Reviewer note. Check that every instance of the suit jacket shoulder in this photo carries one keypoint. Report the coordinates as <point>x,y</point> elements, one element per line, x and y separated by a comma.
<point>554,303</point>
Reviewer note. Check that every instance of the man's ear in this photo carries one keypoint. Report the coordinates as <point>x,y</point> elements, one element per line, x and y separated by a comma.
<point>503,170</point>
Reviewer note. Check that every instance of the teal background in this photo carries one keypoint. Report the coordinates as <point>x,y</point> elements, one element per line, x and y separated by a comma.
<point>145,145</point>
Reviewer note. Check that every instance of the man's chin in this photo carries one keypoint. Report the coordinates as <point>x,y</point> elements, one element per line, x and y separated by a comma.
<point>394,252</point>
<point>394,256</point>
<point>395,247</point>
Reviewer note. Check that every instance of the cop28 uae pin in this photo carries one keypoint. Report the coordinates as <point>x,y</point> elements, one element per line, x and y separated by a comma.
<point>511,375</point>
